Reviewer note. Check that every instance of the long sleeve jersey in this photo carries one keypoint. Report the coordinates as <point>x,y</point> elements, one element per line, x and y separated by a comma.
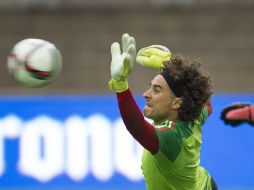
<point>172,149</point>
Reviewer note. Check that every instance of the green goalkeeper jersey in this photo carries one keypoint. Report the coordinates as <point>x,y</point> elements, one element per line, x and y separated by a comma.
<point>176,165</point>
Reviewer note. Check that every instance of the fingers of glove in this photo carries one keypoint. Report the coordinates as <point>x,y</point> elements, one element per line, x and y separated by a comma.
<point>132,41</point>
<point>153,57</point>
<point>153,50</point>
<point>236,114</point>
<point>115,49</point>
<point>127,40</point>
<point>129,44</point>
<point>143,60</point>
<point>239,114</point>
<point>157,62</point>
<point>116,68</point>
<point>116,61</point>
<point>126,66</point>
<point>152,62</point>
<point>231,122</point>
<point>131,51</point>
<point>234,106</point>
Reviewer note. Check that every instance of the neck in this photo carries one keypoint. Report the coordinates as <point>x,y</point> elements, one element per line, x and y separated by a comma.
<point>173,116</point>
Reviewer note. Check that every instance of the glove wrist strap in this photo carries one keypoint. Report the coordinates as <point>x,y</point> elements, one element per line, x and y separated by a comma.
<point>118,85</point>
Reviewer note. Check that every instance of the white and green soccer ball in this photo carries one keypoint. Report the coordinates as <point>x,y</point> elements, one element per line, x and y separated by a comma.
<point>34,62</point>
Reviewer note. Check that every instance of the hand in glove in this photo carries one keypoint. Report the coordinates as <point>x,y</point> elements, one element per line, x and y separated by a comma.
<point>237,114</point>
<point>122,63</point>
<point>153,56</point>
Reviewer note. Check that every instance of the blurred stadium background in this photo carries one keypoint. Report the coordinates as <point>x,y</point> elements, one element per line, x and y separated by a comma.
<point>68,134</point>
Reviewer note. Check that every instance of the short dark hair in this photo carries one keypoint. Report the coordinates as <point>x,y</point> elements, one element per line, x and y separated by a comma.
<point>195,85</point>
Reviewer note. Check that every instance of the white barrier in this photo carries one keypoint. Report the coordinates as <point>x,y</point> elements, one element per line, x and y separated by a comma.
<point>75,147</point>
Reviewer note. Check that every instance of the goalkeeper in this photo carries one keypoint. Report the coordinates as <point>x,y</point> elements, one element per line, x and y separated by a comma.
<point>238,113</point>
<point>178,103</point>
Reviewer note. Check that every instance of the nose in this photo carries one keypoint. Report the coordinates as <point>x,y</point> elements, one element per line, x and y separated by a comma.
<point>147,94</point>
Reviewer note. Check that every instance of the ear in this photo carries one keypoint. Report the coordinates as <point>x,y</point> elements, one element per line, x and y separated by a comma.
<point>176,104</point>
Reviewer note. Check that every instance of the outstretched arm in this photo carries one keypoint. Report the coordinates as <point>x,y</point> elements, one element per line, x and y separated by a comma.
<point>135,122</point>
<point>121,65</point>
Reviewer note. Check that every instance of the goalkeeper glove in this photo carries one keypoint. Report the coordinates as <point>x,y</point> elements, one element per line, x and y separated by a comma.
<point>153,56</point>
<point>122,63</point>
<point>237,114</point>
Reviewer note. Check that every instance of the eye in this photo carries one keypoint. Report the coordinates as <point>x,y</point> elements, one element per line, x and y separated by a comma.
<point>156,90</point>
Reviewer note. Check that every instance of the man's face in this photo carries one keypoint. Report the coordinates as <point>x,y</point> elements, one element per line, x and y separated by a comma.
<point>159,100</point>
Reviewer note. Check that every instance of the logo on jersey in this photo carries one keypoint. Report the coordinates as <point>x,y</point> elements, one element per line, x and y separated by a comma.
<point>165,126</point>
